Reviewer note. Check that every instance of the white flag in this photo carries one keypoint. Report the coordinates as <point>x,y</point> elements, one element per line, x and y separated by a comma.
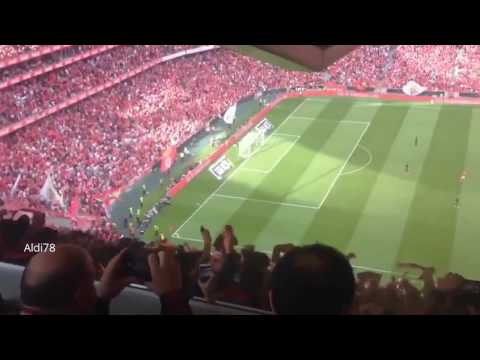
<point>413,89</point>
<point>15,185</point>
<point>49,194</point>
<point>229,116</point>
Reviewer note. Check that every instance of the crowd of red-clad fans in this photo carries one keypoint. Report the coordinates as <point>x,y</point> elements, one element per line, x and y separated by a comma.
<point>103,142</point>
<point>8,51</point>
<point>452,68</point>
<point>99,144</point>
<point>314,279</point>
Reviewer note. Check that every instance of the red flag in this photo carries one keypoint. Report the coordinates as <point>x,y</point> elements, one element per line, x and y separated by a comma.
<point>74,206</point>
<point>168,159</point>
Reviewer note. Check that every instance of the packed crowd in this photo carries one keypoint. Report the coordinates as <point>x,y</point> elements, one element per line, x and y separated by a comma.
<point>314,279</point>
<point>9,51</point>
<point>40,93</point>
<point>452,68</point>
<point>363,67</point>
<point>103,142</point>
<point>100,144</point>
<point>39,62</point>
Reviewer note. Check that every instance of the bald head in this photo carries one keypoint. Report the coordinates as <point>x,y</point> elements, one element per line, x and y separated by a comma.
<point>54,281</point>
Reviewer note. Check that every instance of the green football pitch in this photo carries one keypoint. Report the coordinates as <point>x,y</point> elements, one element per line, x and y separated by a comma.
<point>334,171</point>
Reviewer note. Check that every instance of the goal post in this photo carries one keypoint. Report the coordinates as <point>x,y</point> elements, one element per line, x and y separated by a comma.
<point>250,143</point>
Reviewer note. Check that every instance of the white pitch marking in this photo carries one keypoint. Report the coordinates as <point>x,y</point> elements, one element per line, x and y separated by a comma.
<point>265,201</point>
<point>285,134</point>
<point>375,270</point>
<point>356,267</point>
<point>255,170</point>
<point>297,137</point>
<point>283,155</point>
<point>343,166</point>
<point>370,159</point>
<point>335,121</point>
<point>186,238</point>
<point>233,173</point>
<point>373,104</point>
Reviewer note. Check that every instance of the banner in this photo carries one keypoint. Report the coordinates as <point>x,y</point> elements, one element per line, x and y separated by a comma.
<point>413,89</point>
<point>168,158</point>
<point>221,167</point>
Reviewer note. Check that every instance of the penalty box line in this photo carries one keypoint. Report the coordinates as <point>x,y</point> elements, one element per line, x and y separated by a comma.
<point>330,188</point>
<point>232,174</point>
<point>265,201</point>
<point>326,120</point>
<point>347,160</point>
<point>292,144</point>
<point>356,267</point>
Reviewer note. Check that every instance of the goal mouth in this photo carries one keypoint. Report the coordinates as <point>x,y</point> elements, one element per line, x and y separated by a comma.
<point>250,143</point>
<point>254,140</point>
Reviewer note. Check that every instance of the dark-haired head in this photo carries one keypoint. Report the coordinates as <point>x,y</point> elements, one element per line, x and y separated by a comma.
<point>314,279</point>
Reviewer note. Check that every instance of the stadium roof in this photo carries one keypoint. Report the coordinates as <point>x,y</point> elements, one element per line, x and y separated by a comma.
<point>296,57</point>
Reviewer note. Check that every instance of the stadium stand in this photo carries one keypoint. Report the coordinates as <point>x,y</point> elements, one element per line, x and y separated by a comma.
<point>133,300</point>
<point>13,52</point>
<point>233,270</point>
<point>92,147</point>
<point>104,148</point>
<point>438,67</point>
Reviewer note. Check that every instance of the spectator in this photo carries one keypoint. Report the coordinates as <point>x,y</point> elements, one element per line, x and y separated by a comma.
<point>254,276</point>
<point>167,282</point>
<point>314,279</point>
<point>224,285</point>
<point>62,282</point>
<point>103,148</point>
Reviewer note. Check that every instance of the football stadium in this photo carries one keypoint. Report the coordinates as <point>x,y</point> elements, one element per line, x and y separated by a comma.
<point>231,179</point>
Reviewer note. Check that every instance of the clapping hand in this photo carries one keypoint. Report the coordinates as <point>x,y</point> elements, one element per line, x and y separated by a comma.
<point>207,239</point>
<point>165,271</point>
<point>228,239</point>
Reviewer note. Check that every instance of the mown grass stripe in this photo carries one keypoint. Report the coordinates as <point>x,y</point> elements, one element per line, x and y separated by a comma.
<point>466,247</point>
<point>336,221</point>
<point>252,217</point>
<point>389,202</point>
<point>430,228</point>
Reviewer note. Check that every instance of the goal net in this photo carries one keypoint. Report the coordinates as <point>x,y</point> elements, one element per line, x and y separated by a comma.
<point>250,143</point>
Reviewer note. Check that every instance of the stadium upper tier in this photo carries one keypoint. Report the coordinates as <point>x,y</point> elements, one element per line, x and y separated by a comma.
<point>452,68</point>
<point>100,143</point>
<point>10,51</point>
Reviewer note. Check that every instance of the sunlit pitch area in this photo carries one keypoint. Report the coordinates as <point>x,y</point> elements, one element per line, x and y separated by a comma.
<point>334,170</point>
